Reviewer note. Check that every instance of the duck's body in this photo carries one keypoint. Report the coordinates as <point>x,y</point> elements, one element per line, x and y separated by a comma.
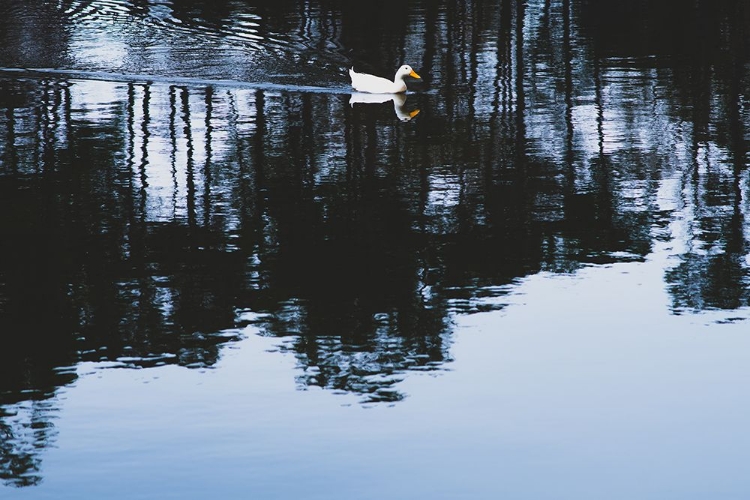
<point>378,85</point>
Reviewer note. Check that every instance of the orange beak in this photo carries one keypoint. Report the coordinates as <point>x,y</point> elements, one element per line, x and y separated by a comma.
<point>414,75</point>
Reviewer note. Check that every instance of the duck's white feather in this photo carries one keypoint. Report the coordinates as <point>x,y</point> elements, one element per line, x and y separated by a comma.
<point>364,82</point>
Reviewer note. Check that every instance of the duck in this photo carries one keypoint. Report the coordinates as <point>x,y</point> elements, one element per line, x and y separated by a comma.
<point>372,84</point>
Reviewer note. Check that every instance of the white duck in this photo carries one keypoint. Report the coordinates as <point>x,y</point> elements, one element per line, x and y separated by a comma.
<point>378,85</point>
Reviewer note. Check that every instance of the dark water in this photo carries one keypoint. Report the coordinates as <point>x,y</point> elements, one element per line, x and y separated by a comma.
<point>222,273</point>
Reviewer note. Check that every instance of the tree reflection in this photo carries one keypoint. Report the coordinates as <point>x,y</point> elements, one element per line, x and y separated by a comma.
<point>153,211</point>
<point>25,429</point>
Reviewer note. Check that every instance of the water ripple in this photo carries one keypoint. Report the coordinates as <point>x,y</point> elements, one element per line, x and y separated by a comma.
<point>236,30</point>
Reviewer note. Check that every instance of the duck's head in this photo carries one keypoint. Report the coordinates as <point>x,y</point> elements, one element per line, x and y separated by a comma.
<point>406,70</point>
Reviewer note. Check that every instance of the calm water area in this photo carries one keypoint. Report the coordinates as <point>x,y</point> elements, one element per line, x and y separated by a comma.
<point>224,274</point>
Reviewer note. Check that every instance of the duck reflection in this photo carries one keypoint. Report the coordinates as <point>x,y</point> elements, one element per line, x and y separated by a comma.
<point>399,101</point>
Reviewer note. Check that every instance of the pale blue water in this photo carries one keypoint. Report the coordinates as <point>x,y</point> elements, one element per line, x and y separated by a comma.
<point>647,406</point>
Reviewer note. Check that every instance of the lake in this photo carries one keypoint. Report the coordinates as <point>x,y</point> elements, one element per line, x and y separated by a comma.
<point>225,274</point>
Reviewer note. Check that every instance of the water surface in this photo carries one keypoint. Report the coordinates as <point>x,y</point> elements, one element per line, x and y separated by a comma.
<point>222,273</point>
